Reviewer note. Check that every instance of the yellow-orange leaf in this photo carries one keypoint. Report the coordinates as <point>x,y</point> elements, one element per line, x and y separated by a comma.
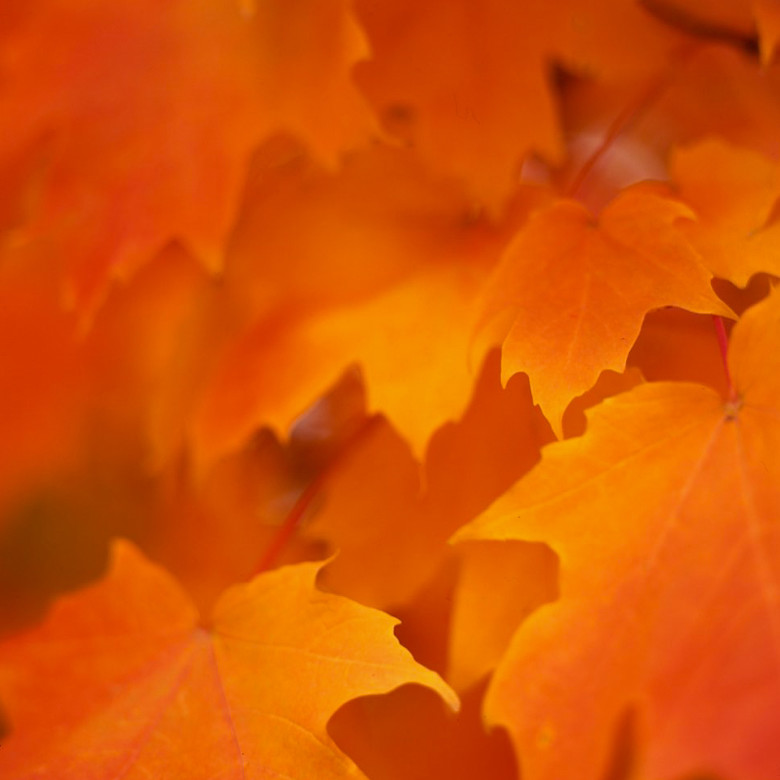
<point>326,271</point>
<point>416,330</point>
<point>733,192</point>
<point>499,584</point>
<point>570,294</point>
<point>664,517</point>
<point>121,680</point>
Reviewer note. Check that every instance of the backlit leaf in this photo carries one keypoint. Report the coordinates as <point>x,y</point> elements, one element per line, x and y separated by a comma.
<point>121,679</point>
<point>570,294</point>
<point>734,193</point>
<point>663,516</point>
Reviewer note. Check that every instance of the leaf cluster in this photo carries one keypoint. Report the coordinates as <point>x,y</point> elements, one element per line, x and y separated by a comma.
<point>390,389</point>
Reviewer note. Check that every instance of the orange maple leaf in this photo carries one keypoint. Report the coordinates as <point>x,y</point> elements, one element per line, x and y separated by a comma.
<point>476,76</point>
<point>570,293</point>
<point>121,678</point>
<point>397,299</point>
<point>663,516</point>
<point>734,193</point>
<point>144,114</point>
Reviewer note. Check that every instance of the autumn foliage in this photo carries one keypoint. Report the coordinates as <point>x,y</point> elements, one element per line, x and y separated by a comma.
<point>390,389</point>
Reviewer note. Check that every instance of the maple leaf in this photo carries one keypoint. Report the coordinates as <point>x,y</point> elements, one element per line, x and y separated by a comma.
<point>120,678</point>
<point>733,192</point>
<point>484,100</point>
<point>465,129</point>
<point>416,328</point>
<point>663,516</point>
<point>146,114</point>
<point>570,293</point>
<point>408,313</point>
<point>390,522</point>
<point>196,174</point>
<point>497,585</point>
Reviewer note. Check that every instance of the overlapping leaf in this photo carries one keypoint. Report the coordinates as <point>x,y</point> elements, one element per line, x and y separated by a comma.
<point>390,526</point>
<point>664,518</point>
<point>734,193</point>
<point>416,329</point>
<point>122,680</point>
<point>497,585</point>
<point>147,146</point>
<point>144,115</point>
<point>398,299</point>
<point>476,76</point>
<point>570,294</point>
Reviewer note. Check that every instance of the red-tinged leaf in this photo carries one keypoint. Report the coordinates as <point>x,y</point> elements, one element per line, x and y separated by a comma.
<point>146,114</point>
<point>122,680</point>
<point>733,192</point>
<point>570,294</point>
<point>663,516</point>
